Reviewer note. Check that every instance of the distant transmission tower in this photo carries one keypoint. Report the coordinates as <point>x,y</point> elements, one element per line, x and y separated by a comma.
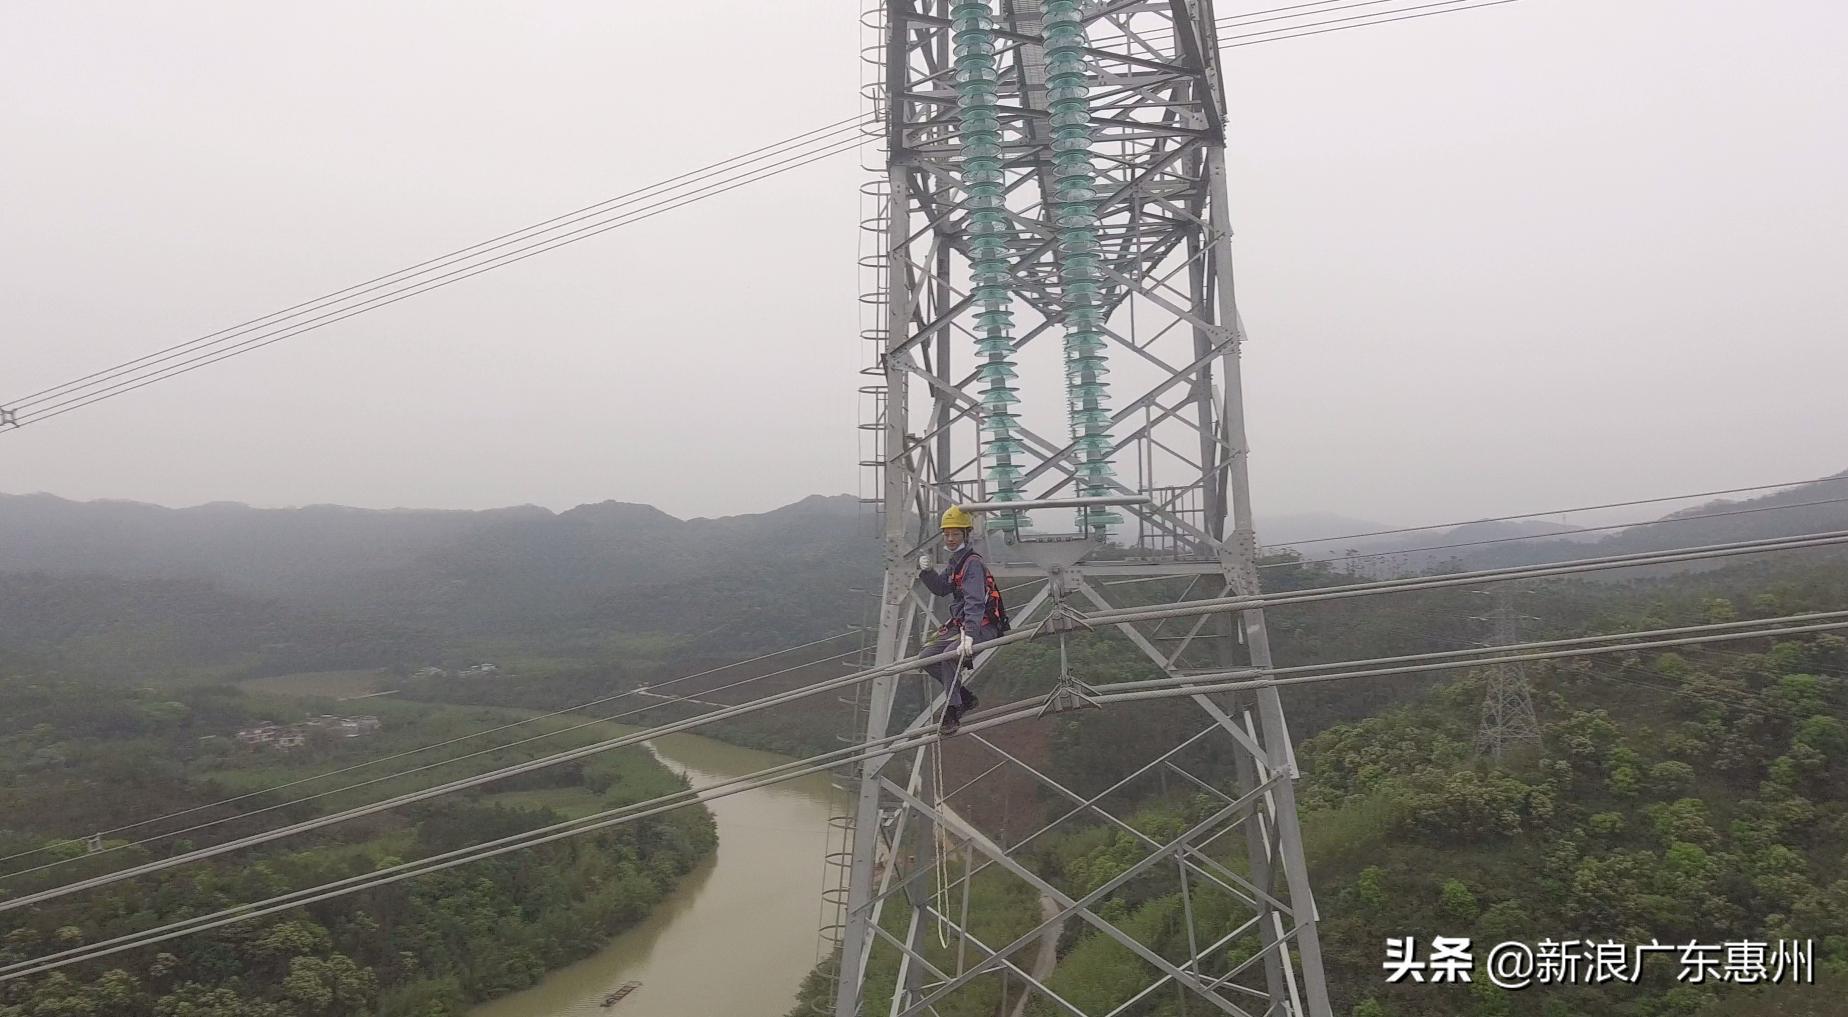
<point>1508,706</point>
<point>1058,334</point>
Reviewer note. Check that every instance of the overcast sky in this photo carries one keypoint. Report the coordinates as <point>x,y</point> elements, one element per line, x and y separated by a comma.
<point>1547,253</point>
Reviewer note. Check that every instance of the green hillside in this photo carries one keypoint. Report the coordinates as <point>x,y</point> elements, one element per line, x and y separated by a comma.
<point>76,759</point>
<point>1692,796</point>
<point>1697,795</point>
<point>135,591</point>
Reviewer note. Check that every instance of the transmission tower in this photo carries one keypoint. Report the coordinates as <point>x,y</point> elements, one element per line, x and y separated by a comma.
<point>1508,706</point>
<point>1051,249</point>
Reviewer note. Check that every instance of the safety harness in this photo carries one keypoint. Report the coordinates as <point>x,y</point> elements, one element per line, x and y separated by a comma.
<point>994,612</point>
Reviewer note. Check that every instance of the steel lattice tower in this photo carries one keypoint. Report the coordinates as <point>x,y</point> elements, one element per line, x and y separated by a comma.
<point>1163,448</point>
<point>1508,704</point>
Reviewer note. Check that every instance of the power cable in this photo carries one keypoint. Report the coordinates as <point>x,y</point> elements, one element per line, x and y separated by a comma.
<point>411,798</point>
<point>1358,22</point>
<point>1218,684</point>
<point>433,745</point>
<point>1564,511</point>
<point>1240,20</point>
<point>886,746</point>
<point>1114,616</point>
<point>1638,524</point>
<point>1272,34</point>
<point>1473,655</point>
<point>341,295</point>
<point>1758,696</point>
<point>1529,515</point>
<point>1757,660</point>
<point>1704,636</point>
<point>138,373</point>
<point>491,750</point>
<point>125,384</point>
<point>795,769</point>
<point>1571,567</point>
<point>1698,695</point>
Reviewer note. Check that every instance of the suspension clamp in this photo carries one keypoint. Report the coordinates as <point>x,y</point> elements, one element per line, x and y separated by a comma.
<point>1064,618</point>
<point>1068,695</point>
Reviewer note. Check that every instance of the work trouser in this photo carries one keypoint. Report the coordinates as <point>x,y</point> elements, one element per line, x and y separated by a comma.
<point>945,670</point>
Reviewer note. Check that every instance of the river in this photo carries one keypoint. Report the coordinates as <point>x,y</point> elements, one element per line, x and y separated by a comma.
<point>739,934</point>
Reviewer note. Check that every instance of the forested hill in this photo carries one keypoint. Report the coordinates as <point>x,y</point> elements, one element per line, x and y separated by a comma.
<point>122,586</point>
<point>77,758</point>
<point>220,580</point>
<point>149,629</point>
<point>320,551</point>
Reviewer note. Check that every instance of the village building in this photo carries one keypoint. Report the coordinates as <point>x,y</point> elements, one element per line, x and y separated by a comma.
<point>294,736</point>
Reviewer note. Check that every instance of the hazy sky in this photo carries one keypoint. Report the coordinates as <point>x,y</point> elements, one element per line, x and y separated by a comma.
<point>1547,253</point>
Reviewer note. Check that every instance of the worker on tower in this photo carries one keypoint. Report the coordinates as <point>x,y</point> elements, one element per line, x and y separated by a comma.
<point>976,612</point>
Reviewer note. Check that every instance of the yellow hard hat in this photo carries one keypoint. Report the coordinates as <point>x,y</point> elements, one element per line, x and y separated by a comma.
<point>955,518</point>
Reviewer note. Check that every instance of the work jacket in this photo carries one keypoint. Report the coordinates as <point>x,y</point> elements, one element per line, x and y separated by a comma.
<point>968,598</point>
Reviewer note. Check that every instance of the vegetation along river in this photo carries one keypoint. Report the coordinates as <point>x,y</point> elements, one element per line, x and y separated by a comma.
<point>739,934</point>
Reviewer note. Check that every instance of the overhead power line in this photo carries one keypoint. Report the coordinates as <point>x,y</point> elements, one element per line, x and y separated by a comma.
<point>620,200</point>
<point>234,799</point>
<point>415,286</point>
<point>1526,515</point>
<point>1240,681</point>
<point>791,770</point>
<point>1705,636</point>
<point>575,827</point>
<point>413,797</point>
<point>1759,660</point>
<point>675,681</point>
<point>183,358</point>
<point>1634,525</point>
<point>491,750</point>
<point>1284,14</point>
<point>1474,656</point>
<point>1729,699</point>
<point>666,684</point>
<point>1560,512</point>
<point>1561,534</point>
<point>1808,541</point>
<point>1094,618</point>
<point>1294,31</point>
<point>1360,22</point>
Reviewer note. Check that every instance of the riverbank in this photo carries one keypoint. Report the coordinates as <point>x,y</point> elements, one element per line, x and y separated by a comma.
<point>739,934</point>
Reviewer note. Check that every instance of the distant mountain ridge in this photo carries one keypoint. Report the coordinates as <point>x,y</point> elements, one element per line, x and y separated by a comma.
<point>523,573</point>
<point>1818,506</point>
<point>580,580</point>
<point>239,543</point>
<point>255,549</point>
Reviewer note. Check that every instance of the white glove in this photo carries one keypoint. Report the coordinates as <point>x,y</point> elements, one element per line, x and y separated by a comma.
<point>967,645</point>
<point>924,563</point>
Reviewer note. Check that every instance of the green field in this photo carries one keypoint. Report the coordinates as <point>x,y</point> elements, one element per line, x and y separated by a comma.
<point>330,684</point>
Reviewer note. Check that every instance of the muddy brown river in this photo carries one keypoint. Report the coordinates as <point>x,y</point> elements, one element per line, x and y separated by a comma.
<point>738,935</point>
